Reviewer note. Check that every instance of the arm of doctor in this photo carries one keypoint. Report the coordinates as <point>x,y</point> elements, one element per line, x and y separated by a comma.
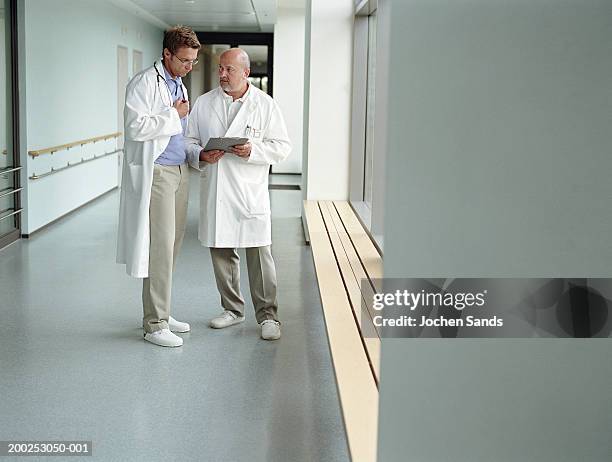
<point>197,157</point>
<point>141,124</point>
<point>274,145</point>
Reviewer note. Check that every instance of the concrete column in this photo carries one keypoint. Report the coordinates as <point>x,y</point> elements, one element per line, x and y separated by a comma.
<point>498,165</point>
<point>327,99</point>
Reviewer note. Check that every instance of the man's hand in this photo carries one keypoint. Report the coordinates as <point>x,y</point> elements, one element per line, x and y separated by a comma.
<point>242,150</point>
<point>182,106</point>
<point>211,156</point>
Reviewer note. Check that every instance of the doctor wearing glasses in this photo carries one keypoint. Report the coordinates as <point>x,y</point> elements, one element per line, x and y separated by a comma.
<point>234,199</point>
<point>154,184</point>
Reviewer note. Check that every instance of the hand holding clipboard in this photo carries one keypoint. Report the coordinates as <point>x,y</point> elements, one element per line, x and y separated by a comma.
<point>216,147</point>
<point>224,144</point>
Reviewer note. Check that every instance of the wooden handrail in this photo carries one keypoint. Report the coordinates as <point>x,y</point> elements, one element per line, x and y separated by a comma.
<point>69,165</point>
<point>62,147</point>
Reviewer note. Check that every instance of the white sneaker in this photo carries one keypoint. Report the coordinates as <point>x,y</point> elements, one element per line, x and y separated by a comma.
<point>178,326</point>
<point>164,338</point>
<point>270,329</point>
<point>226,319</point>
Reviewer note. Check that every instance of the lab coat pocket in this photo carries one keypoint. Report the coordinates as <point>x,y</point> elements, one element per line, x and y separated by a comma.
<point>258,201</point>
<point>253,133</point>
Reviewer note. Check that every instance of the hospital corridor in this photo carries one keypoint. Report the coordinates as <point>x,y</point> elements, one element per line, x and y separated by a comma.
<point>75,363</point>
<point>305,230</point>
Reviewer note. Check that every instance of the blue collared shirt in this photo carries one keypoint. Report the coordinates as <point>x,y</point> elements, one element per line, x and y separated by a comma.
<point>174,153</point>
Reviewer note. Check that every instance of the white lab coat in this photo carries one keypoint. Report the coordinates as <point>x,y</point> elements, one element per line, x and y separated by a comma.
<point>234,199</point>
<point>150,120</point>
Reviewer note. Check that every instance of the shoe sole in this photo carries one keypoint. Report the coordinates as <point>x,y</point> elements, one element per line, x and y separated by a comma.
<point>236,321</point>
<point>271,338</point>
<point>162,345</point>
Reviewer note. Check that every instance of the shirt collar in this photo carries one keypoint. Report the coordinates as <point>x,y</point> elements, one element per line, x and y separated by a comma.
<point>168,77</point>
<point>242,99</point>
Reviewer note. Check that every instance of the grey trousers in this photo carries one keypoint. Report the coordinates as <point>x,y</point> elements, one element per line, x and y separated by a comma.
<point>262,280</point>
<point>167,220</point>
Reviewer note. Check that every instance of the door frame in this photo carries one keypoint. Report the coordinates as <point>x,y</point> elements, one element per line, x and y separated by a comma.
<point>13,81</point>
<point>234,39</point>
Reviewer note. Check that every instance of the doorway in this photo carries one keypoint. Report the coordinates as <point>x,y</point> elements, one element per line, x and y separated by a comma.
<point>136,62</point>
<point>259,47</point>
<point>122,81</point>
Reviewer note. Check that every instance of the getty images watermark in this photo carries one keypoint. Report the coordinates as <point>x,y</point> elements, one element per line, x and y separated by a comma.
<point>486,308</point>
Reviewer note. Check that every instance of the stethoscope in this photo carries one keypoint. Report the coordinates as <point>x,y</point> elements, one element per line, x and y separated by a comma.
<point>160,76</point>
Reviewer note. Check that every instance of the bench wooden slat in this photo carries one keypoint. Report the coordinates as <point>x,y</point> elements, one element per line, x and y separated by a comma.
<point>369,258</point>
<point>368,254</point>
<point>356,387</point>
<point>353,272</point>
<point>358,271</point>
<point>356,262</point>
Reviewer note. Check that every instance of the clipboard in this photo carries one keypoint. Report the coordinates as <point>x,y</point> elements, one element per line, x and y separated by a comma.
<point>223,144</point>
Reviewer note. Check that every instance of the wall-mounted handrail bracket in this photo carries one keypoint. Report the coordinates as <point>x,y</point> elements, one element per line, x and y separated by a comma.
<point>62,147</point>
<point>70,165</point>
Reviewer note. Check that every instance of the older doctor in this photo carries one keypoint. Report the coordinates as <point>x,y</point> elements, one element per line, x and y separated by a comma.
<point>234,203</point>
<point>154,185</point>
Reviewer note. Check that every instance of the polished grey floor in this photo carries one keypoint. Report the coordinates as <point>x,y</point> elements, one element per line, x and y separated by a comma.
<point>73,365</point>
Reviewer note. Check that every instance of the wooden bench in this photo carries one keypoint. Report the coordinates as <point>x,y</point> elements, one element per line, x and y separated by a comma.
<point>346,261</point>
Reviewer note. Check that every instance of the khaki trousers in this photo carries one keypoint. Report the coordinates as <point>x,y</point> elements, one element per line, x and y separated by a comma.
<point>167,220</point>
<point>262,280</point>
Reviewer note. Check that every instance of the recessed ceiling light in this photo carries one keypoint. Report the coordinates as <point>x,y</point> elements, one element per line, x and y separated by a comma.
<point>190,2</point>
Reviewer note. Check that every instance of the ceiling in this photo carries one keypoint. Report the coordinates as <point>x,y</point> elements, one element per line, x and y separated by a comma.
<point>208,15</point>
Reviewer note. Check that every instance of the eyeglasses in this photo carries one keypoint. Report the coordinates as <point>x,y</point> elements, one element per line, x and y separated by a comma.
<point>187,62</point>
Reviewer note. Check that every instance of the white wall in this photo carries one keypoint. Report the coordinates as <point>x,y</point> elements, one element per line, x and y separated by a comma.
<point>71,94</point>
<point>498,165</point>
<point>289,81</point>
<point>327,99</point>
